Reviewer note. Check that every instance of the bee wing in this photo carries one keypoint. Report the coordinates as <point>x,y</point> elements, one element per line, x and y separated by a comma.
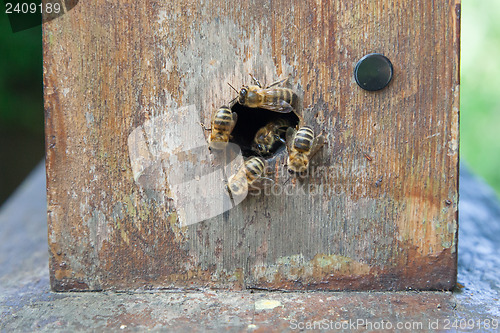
<point>233,121</point>
<point>318,142</point>
<point>290,135</point>
<point>274,102</point>
<point>214,113</point>
<point>262,182</point>
<point>278,106</point>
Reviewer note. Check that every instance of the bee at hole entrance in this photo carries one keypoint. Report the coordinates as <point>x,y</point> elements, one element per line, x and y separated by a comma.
<point>268,127</point>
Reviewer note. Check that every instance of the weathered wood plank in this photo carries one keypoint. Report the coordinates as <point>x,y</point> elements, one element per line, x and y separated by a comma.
<point>118,74</point>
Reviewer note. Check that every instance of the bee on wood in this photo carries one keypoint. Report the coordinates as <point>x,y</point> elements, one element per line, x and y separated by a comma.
<point>269,136</point>
<point>301,145</point>
<point>269,98</point>
<point>223,123</point>
<point>247,176</point>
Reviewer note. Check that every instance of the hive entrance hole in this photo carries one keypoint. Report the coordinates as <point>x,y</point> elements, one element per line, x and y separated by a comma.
<point>250,120</point>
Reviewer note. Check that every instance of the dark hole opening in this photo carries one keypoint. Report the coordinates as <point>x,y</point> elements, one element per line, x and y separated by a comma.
<point>250,120</point>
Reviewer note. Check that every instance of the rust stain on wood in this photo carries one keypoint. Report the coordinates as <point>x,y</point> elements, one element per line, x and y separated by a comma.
<point>112,68</point>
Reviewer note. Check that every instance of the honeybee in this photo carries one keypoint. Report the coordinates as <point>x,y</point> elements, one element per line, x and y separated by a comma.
<point>269,136</point>
<point>274,99</point>
<point>301,145</point>
<point>248,175</point>
<point>223,124</point>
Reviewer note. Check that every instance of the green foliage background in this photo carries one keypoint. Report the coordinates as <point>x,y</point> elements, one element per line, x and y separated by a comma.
<point>480,89</point>
<point>21,105</point>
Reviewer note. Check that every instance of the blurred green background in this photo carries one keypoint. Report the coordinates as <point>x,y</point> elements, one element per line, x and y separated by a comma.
<point>480,89</point>
<point>21,104</point>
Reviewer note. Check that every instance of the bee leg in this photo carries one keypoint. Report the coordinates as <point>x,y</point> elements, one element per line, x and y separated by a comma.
<point>204,128</point>
<point>268,179</point>
<point>276,83</point>
<point>255,81</point>
<point>230,194</point>
<point>279,138</point>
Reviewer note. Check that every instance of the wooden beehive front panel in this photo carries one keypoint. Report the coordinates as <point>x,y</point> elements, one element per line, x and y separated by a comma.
<point>379,212</point>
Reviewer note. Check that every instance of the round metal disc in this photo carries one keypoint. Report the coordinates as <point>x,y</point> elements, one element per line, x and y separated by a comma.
<point>373,72</point>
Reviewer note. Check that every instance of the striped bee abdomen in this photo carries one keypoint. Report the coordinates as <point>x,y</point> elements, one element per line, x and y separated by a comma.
<point>281,123</point>
<point>289,96</point>
<point>223,123</point>
<point>284,94</point>
<point>254,168</point>
<point>303,139</point>
<point>223,119</point>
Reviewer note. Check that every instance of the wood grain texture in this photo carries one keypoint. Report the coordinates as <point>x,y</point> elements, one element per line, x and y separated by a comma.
<point>117,73</point>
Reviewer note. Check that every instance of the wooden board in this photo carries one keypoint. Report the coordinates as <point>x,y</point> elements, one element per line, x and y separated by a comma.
<point>125,80</point>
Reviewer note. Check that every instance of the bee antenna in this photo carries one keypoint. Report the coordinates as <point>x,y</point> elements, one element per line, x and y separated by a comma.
<point>231,102</point>
<point>233,88</point>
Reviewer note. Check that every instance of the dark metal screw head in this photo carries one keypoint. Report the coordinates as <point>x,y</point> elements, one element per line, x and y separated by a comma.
<point>373,72</point>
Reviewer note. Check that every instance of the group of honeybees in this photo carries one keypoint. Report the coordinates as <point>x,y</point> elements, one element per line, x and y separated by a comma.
<point>301,142</point>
